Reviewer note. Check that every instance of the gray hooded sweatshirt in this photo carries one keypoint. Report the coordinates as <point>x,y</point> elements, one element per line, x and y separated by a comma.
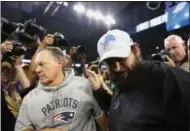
<point>69,106</point>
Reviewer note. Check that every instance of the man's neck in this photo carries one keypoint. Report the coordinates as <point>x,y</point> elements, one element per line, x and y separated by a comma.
<point>59,79</point>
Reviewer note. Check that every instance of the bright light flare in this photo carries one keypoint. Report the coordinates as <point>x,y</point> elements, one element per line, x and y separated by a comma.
<point>79,8</point>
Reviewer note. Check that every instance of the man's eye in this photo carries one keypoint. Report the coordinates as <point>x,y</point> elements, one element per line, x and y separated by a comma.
<point>174,47</point>
<point>41,64</point>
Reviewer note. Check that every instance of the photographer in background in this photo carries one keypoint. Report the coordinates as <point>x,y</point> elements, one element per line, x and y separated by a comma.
<point>72,51</point>
<point>22,38</point>
<point>13,82</point>
<point>13,78</point>
<point>175,45</point>
<point>78,55</point>
<point>7,46</point>
<point>68,61</point>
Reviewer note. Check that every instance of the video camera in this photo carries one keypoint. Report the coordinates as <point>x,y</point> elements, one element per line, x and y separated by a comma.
<point>60,41</point>
<point>161,56</point>
<point>30,32</point>
<point>26,33</point>
<point>21,34</point>
<point>17,50</point>
<point>7,30</point>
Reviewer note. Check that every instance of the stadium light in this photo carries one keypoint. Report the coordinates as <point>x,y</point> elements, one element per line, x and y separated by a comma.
<point>113,22</point>
<point>79,8</point>
<point>177,26</point>
<point>186,14</point>
<point>90,13</point>
<point>98,16</point>
<point>65,4</point>
<point>59,2</point>
<point>94,14</point>
<point>109,20</point>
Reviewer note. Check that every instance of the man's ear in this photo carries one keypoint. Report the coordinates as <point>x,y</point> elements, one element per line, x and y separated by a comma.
<point>60,61</point>
<point>184,46</point>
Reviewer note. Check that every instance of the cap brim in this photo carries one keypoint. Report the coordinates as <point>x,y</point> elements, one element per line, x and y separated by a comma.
<point>117,53</point>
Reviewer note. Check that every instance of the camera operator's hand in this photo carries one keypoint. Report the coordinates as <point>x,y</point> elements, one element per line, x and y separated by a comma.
<point>18,60</point>
<point>170,62</point>
<point>48,39</point>
<point>7,46</point>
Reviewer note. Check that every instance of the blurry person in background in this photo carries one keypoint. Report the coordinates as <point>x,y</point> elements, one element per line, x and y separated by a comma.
<point>6,46</point>
<point>177,50</point>
<point>68,61</point>
<point>78,56</point>
<point>9,87</point>
<point>7,118</point>
<point>13,78</point>
<point>72,51</point>
<point>13,82</point>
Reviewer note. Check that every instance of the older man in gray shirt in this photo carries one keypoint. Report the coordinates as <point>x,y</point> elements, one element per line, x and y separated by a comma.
<point>61,101</point>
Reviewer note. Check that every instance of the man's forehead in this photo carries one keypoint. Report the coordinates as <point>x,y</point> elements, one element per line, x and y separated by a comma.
<point>43,55</point>
<point>173,42</point>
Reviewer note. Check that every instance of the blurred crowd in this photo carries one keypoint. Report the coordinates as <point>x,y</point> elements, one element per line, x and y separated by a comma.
<point>58,90</point>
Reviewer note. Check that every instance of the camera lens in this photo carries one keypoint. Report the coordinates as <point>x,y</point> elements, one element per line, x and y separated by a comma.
<point>32,30</point>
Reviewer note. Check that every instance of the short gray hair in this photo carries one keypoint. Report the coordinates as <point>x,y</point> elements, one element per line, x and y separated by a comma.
<point>55,51</point>
<point>173,37</point>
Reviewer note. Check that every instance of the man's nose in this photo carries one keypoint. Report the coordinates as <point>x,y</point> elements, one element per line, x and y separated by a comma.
<point>117,67</point>
<point>172,52</point>
<point>38,69</point>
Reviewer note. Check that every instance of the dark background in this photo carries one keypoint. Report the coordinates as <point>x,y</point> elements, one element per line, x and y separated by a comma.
<point>79,30</point>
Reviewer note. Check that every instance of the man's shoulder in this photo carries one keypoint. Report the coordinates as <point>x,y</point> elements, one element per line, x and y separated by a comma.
<point>162,70</point>
<point>81,83</point>
<point>155,67</point>
<point>80,79</point>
